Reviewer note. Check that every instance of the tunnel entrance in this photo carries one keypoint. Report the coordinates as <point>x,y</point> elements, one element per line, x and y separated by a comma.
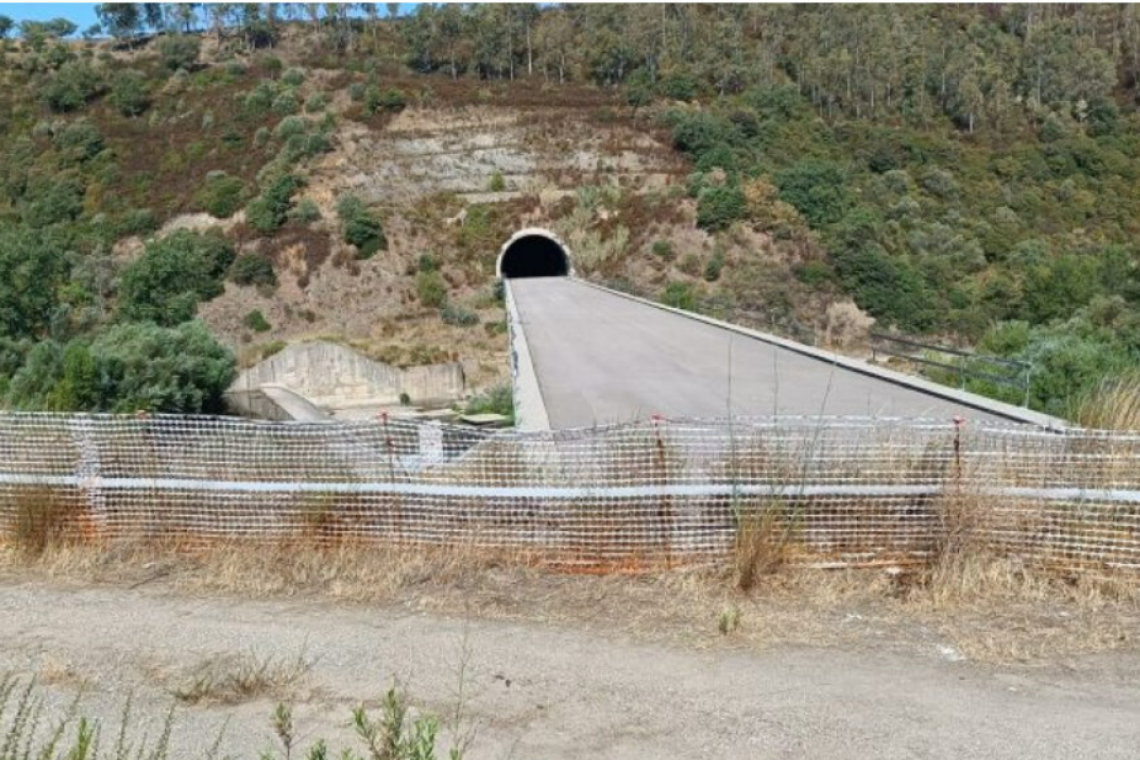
<point>533,253</point>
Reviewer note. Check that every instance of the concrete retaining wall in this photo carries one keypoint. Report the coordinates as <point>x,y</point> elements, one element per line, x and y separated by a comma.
<point>333,376</point>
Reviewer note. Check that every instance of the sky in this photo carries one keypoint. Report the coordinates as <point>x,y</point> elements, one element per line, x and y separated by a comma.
<point>81,14</point>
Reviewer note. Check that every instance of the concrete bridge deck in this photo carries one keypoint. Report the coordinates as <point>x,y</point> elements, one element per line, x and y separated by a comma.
<point>601,357</point>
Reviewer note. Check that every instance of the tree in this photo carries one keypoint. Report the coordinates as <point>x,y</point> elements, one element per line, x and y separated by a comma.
<point>555,37</point>
<point>31,270</point>
<point>166,283</point>
<point>6,26</point>
<point>120,20</point>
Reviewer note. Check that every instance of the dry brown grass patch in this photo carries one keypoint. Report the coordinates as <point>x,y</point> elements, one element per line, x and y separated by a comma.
<point>984,607</point>
<point>42,518</point>
<point>233,679</point>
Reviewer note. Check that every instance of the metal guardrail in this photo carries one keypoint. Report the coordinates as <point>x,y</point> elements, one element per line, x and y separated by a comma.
<point>1019,377</point>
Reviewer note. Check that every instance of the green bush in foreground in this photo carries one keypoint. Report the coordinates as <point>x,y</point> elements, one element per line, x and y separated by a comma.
<point>126,368</point>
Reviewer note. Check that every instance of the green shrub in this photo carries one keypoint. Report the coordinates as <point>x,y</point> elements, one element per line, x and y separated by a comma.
<point>79,140</point>
<point>696,132</point>
<point>260,99</point>
<point>270,210</point>
<point>58,198</point>
<point>271,64</point>
<point>816,189</point>
<point>256,321</point>
<point>714,267</point>
<point>719,207</point>
<point>71,87</point>
<point>221,196</point>
<point>178,51</point>
<point>496,184</point>
<point>166,283</point>
<point>390,99</point>
<point>137,221</point>
<point>285,104</point>
<point>316,102</point>
<point>679,295</point>
<point>663,249</point>
<point>496,400</point>
<point>129,93</point>
<point>31,385</point>
<point>293,78</point>
<point>290,126</point>
<point>638,89</point>
<point>253,269</point>
<point>679,86</point>
<point>426,263</point>
<point>306,211</point>
<point>458,316</point>
<point>888,287</point>
<point>361,228</point>
<point>356,92</point>
<point>431,289</point>
<point>126,368</point>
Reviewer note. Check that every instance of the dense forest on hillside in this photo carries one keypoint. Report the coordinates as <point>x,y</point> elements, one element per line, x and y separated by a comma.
<point>969,173</point>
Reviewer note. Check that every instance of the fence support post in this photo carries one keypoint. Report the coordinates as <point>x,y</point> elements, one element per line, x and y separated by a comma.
<point>661,466</point>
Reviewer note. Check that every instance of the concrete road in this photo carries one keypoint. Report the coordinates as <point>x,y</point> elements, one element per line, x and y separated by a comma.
<point>550,692</point>
<point>602,358</point>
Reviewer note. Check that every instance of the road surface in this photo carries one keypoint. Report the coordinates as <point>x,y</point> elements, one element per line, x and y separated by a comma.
<point>552,692</point>
<point>602,358</point>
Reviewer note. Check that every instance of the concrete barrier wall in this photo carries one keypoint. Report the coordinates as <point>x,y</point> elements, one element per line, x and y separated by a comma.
<point>433,383</point>
<point>333,376</point>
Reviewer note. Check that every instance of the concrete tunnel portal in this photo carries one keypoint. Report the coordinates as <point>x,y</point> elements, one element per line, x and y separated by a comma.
<point>533,253</point>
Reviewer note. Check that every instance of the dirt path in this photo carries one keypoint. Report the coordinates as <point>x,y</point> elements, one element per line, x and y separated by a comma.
<point>536,691</point>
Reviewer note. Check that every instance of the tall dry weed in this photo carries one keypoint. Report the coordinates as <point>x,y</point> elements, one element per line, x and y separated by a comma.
<point>1113,405</point>
<point>761,544</point>
<point>42,517</point>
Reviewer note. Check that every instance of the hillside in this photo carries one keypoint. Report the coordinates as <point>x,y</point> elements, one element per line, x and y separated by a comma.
<point>176,204</point>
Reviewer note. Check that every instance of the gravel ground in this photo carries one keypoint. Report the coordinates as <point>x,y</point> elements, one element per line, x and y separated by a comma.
<point>538,691</point>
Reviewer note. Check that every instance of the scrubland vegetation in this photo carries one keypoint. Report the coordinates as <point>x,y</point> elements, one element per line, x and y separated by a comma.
<point>963,173</point>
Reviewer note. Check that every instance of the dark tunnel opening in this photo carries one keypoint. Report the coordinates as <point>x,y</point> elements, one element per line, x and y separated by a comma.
<point>534,256</point>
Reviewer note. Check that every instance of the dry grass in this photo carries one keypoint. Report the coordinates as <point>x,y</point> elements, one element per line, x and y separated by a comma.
<point>1113,405</point>
<point>43,518</point>
<point>982,607</point>
<point>761,545</point>
<point>233,679</point>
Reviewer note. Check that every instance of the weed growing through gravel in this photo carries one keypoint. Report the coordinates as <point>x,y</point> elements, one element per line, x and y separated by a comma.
<point>30,729</point>
<point>232,680</point>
